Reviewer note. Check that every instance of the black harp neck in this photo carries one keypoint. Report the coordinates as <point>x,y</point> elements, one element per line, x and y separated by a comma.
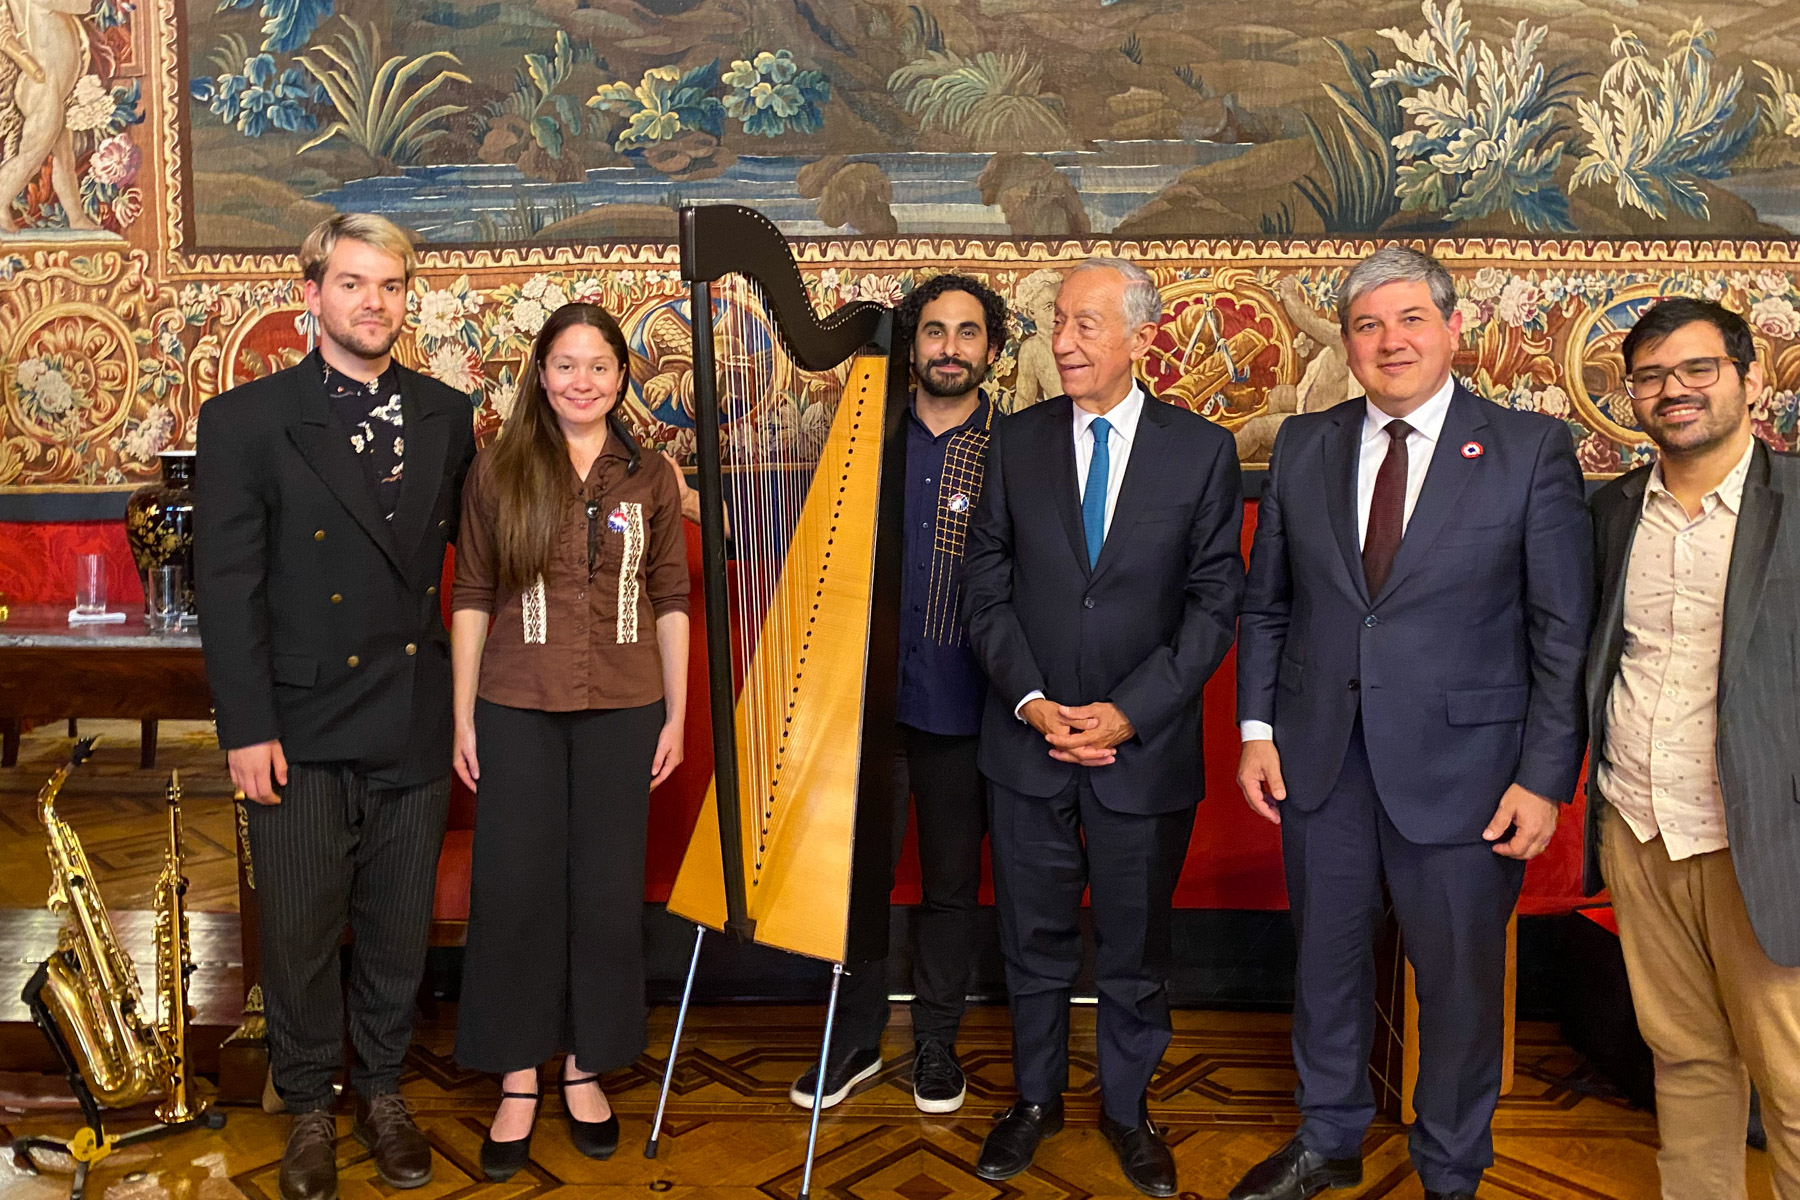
<point>726,239</point>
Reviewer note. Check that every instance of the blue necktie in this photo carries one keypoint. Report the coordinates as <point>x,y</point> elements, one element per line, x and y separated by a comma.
<point>1093,499</point>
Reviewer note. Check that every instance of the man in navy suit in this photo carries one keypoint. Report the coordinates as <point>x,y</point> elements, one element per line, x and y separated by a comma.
<point>1410,695</point>
<point>1101,583</point>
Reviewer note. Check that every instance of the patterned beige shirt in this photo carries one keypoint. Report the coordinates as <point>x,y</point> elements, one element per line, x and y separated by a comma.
<point>1659,768</point>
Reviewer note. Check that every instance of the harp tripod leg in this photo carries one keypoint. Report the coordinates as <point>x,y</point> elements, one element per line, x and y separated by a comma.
<point>812,1135</point>
<point>687,993</point>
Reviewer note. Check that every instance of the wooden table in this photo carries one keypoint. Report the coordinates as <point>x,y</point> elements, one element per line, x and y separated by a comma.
<point>50,669</point>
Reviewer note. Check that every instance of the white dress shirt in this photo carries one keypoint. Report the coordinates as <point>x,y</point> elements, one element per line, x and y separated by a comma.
<point>1123,419</point>
<point>1427,423</point>
<point>1658,765</point>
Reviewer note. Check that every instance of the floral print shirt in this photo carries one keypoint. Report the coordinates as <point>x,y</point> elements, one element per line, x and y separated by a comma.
<point>371,412</point>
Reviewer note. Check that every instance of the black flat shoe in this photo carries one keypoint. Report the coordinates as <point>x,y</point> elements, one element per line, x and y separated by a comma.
<point>500,1161</point>
<point>596,1139</point>
<point>1012,1143</point>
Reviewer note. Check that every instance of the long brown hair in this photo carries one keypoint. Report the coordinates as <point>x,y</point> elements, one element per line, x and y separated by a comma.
<point>531,457</point>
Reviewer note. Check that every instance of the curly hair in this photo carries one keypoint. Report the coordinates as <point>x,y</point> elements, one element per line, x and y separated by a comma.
<point>993,308</point>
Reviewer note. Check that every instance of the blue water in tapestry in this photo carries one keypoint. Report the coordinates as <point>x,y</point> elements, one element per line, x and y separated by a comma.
<point>934,193</point>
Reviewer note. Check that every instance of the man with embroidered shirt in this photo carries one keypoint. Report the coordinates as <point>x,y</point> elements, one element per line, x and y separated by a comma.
<point>955,326</point>
<point>1409,695</point>
<point>1693,820</point>
<point>326,496</point>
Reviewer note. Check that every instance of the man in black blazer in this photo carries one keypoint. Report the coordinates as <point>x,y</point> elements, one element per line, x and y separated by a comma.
<point>326,496</point>
<point>1694,701</point>
<point>1409,693</point>
<point>1101,582</point>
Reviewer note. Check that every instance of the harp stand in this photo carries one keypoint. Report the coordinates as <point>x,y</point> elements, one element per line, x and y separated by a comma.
<point>818,1104</point>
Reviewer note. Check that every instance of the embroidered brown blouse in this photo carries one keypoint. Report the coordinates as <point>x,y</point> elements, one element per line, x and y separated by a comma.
<point>585,637</point>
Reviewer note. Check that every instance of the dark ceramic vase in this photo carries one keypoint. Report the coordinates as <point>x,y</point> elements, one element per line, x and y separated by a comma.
<point>159,524</point>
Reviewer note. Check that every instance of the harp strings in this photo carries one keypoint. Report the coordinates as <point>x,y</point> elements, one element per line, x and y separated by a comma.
<point>748,377</point>
<point>767,467</point>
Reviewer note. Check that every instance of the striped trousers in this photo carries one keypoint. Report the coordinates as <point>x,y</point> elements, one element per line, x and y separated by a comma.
<point>339,851</point>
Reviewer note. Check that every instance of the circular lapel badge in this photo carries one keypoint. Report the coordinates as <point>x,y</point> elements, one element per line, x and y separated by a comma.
<point>1472,450</point>
<point>958,503</point>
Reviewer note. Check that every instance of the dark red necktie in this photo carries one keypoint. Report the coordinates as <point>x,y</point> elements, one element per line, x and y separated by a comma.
<point>1387,511</point>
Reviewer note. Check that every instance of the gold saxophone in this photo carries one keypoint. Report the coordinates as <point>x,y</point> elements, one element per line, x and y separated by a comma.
<point>91,988</point>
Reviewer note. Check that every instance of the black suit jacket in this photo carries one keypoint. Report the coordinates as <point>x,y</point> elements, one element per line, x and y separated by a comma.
<point>1759,687</point>
<point>319,616</point>
<point>1144,628</point>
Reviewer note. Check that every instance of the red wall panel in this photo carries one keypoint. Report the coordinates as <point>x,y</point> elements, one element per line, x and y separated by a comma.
<point>1234,858</point>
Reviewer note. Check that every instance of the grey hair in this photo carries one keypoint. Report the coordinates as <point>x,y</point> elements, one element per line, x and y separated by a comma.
<point>1142,302</point>
<point>1396,264</point>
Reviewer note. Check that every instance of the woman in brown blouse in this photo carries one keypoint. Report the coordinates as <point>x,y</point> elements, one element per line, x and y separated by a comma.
<point>569,646</point>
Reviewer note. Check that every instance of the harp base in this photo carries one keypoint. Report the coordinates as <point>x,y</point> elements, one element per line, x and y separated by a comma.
<point>818,1106</point>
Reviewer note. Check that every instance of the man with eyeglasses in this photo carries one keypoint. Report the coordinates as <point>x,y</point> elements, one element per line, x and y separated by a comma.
<point>1693,819</point>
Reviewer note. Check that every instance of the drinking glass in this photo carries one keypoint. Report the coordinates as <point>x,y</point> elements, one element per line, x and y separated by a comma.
<point>90,584</point>
<point>166,586</point>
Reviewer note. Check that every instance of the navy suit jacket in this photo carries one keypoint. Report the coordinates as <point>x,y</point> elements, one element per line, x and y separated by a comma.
<point>1144,628</point>
<point>1467,668</point>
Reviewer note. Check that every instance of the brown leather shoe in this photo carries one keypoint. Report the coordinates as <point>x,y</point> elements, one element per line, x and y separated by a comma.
<point>309,1164</point>
<point>402,1155</point>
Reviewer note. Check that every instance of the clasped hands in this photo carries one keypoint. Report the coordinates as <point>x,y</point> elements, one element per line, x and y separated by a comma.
<point>1087,735</point>
<point>1531,818</point>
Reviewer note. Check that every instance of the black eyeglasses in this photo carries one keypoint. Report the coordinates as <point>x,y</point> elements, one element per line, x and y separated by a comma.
<point>1648,383</point>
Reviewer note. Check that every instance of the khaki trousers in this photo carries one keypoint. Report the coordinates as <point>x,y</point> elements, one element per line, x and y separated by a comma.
<point>1715,1011</point>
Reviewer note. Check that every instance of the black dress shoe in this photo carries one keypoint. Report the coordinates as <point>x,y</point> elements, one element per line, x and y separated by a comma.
<point>1011,1144</point>
<point>500,1161</point>
<point>1143,1155</point>
<point>309,1164</point>
<point>596,1139</point>
<point>1294,1173</point>
<point>1431,1195</point>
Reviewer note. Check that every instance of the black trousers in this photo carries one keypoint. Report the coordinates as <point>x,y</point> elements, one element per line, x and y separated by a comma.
<point>939,773</point>
<point>1453,903</point>
<point>555,953</point>
<point>1046,851</point>
<point>337,851</point>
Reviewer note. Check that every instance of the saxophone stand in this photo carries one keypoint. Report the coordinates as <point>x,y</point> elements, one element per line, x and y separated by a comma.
<point>818,1104</point>
<point>93,1143</point>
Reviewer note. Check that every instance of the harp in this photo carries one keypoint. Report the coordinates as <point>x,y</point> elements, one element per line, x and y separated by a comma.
<point>802,689</point>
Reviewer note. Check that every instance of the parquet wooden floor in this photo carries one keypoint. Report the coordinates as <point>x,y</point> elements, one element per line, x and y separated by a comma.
<point>117,809</point>
<point>1224,1093</point>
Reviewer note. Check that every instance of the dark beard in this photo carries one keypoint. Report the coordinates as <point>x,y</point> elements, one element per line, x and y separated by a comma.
<point>944,391</point>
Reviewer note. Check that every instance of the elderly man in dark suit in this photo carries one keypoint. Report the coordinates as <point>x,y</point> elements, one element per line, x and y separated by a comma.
<point>1694,701</point>
<point>1409,690</point>
<point>327,494</point>
<point>1101,582</point>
